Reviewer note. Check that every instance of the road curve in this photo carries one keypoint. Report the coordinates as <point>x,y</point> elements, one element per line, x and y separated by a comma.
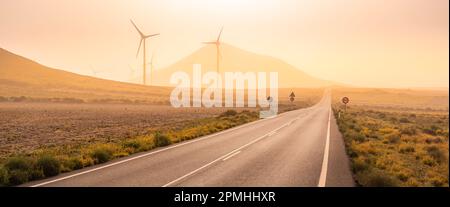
<point>297,148</point>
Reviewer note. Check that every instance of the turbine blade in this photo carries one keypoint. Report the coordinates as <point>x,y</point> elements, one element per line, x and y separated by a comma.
<point>210,43</point>
<point>142,34</point>
<point>220,33</point>
<point>139,48</point>
<point>151,35</point>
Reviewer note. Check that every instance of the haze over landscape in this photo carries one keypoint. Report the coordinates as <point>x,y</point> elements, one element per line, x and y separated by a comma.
<point>362,43</point>
<point>86,94</point>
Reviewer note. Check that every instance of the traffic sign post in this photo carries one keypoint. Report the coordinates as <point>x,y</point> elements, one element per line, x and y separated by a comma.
<point>292,97</point>
<point>345,100</point>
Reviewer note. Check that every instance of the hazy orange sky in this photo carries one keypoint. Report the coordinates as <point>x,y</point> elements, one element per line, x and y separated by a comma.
<point>396,43</point>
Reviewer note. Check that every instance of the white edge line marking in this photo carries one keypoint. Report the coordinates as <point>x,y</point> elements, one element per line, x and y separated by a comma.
<point>232,155</point>
<point>221,157</point>
<point>323,173</point>
<point>154,152</point>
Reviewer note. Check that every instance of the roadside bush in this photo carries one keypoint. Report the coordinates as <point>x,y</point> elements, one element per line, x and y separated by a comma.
<point>18,163</point>
<point>101,155</point>
<point>35,174</point>
<point>161,140</point>
<point>49,165</point>
<point>17,177</point>
<point>359,165</point>
<point>74,163</point>
<point>3,176</point>
<point>376,178</point>
<point>132,144</point>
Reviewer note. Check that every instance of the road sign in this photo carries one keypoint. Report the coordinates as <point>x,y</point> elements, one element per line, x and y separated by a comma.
<point>345,100</point>
<point>292,96</point>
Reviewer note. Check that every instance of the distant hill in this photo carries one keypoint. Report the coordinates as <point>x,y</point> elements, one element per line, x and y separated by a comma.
<point>235,59</point>
<point>22,77</point>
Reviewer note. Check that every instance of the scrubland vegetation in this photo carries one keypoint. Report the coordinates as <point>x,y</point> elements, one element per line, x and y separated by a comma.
<point>51,161</point>
<point>396,148</point>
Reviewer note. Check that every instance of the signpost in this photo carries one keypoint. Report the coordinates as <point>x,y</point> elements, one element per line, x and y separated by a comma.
<point>269,99</point>
<point>345,100</point>
<point>292,97</point>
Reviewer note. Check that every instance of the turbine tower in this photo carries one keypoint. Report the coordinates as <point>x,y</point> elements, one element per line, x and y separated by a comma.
<point>217,43</point>
<point>143,38</point>
<point>151,68</point>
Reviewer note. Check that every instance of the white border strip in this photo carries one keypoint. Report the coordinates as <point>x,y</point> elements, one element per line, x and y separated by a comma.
<point>323,173</point>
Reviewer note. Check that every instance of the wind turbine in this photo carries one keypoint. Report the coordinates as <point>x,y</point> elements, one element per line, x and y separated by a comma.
<point>94,71</point>
<point>217,43</point>
<point>143,38</point>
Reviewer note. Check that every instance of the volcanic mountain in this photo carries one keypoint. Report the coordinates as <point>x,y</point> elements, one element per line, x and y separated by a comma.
<point>23,77</point>
<point>234,59</point>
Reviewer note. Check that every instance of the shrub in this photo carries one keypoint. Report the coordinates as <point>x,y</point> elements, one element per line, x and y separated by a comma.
<point>73,163</point>
<point>432,130</point>
<point>436,154</point>
<point>427,160</point>
<point>360,137</point>
<point>18,163</point>
<point>403,176</point>
<point>20,169</point>
<point>359,165</point>
<point>393,138</point>
<point>3,176</point>
<point>36,174</point>
<point>229,113</point>
<point>408,131</point>
<point>101,155</point>
<point>161,140</point>
<point>17,177</point>
<point>49,165</point>
<point>132,144</point>
<point>404,120</point>
<point>376,178</point>
<point>406,149</point>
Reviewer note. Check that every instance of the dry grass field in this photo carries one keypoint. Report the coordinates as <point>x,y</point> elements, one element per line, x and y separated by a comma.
<point>396,138</point>
<point>27,126</point>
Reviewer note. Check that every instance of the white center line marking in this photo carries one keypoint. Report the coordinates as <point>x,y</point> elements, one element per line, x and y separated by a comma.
<point>226,158</point>
<point>271,133</point>
<point>323,173</point>
<point>221,157</point>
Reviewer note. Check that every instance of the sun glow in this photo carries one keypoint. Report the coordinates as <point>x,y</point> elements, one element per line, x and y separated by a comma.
<point>226,5</point>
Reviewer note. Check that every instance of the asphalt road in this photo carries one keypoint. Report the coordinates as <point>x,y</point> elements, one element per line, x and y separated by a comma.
<point>297,148</point>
